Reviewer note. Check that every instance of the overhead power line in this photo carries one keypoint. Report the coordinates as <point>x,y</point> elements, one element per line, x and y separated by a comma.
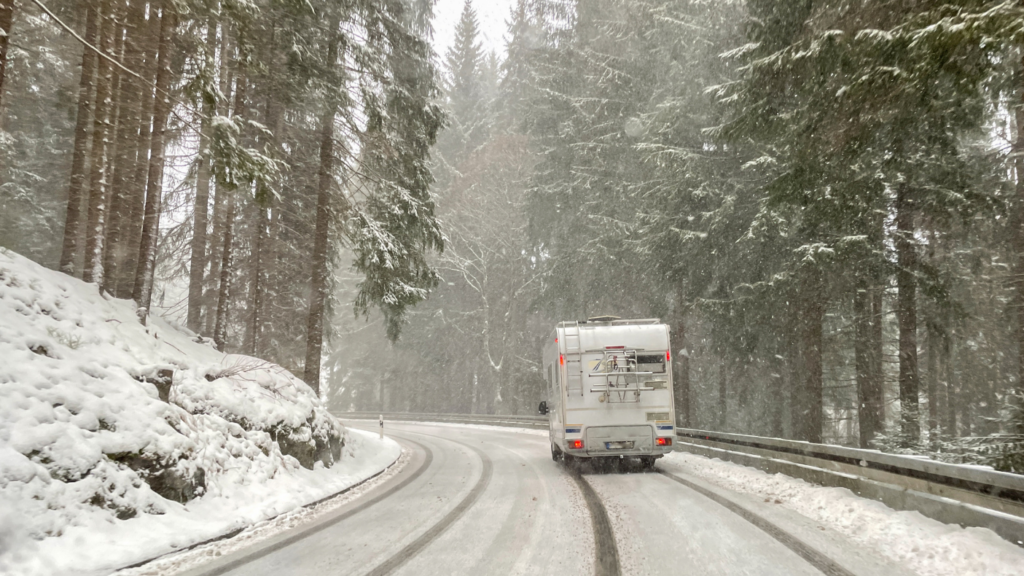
<point>85,43</point>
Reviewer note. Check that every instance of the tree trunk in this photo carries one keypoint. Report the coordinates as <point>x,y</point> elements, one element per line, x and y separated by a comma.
<point>318,291</point>
<point>92,268</point>
<point>861,345</point>
<point>79,158</point>
<point>932,383</point>
<point>262,250</point>
<point>117,53</point>
<point>220,330</point>
<point>321,263</point>
<point>136,202</point>
<point>201,221</point>
<point>142,292</point>
<point>682,370</point>
<point>809,401</point>
<point>951,396</point>
<point>6,19</point>
<point>270,267</point>
<point>1018,231</point>
<point>869,383</point>
<point>126,144</point>
<point>723,401</point>
<point>906,313</point>
<point>965,410</point>
<point>942,385</point>
<point>259,281</point>
<point>776,396</point>
<point>877,368</point>
<point>211,286</point>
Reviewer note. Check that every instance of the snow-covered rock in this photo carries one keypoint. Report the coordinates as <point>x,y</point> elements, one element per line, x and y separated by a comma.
<point>104,421</point>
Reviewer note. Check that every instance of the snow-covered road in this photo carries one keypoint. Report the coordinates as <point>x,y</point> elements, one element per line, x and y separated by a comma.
<point>479,500</point>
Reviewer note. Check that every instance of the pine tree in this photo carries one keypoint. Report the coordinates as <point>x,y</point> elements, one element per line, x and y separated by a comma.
<point>130,95</point>
<point>76,188</point>
<point>142,292</point>
<point>6,19</point>
<point>198,260</point>
<point>132,225</point>
<point>464,90</point>
<point>92,269</point>
<point>321,256</point>
<point>396,228</point>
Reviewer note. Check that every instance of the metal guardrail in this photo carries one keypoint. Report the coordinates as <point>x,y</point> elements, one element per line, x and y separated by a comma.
<point>949,493</point>
<point>520,421</point>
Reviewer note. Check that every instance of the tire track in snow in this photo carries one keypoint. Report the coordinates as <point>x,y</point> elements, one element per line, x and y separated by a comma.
<point>823,563</point>
<point>303,533</point>
<point>410,551</point>
<point>606,551</point>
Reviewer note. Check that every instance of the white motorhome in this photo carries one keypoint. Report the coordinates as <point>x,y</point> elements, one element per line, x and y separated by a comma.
<point>609,389</point>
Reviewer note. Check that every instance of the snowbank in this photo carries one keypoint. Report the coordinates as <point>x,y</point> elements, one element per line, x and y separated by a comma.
<point>120,441</point>
<point>908,539</point>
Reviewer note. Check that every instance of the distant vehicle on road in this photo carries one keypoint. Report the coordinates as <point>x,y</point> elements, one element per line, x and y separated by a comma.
<point>609,389</point>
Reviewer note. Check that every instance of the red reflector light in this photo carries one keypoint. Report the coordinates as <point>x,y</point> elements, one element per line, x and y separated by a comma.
<point>561,360</point>
<point>664,441</point>
<point>576,444</point>
<point>668,356</point>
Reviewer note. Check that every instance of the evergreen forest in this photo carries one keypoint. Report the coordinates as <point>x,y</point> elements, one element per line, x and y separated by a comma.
<point>823,198</point>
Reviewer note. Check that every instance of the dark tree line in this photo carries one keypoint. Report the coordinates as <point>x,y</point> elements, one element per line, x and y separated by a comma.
<point>212,157</point>
<point>822,198</point>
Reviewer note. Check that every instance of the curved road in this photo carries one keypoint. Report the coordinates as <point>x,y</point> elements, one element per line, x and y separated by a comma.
<point>481,501</point>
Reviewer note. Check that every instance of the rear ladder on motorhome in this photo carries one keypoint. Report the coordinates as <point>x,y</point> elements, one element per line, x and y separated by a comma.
<point>573,358</point>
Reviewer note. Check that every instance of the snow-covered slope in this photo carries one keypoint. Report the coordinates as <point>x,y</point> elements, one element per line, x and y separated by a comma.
<point>120,441</point>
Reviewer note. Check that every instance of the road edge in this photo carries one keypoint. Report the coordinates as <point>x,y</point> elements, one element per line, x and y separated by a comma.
<point>236,531</point>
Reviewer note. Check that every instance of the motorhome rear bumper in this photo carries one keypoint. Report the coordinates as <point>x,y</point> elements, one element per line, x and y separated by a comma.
<point>624,440</point>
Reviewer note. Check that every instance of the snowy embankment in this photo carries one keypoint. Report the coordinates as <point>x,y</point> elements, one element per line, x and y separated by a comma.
<point>908,539</point>
<point>120,442</point>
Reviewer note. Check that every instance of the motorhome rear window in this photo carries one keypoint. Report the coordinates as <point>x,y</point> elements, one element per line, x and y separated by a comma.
<point>651,363</point>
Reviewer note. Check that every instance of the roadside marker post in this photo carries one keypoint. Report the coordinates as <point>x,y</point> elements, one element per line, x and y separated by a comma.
<point>381,426</point>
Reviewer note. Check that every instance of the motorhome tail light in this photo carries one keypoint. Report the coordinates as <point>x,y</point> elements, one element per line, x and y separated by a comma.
<point>668,355</point>
<point>561,359</point>
<point>664,441</point>
<point>576,444</point>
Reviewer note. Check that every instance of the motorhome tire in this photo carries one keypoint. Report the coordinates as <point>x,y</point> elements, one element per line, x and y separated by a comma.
<point>556,453</point>
<point>647,462</point>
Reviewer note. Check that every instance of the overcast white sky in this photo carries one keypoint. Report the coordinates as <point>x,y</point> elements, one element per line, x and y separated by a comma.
<point>492,15</point>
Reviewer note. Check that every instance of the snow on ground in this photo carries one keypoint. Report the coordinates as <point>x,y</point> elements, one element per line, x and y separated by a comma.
<point>119,442</point>
<point>920,544</point>
<point>384,453</point>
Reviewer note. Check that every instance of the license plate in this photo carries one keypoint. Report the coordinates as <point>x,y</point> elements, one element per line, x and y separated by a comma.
<point>618,445</point>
